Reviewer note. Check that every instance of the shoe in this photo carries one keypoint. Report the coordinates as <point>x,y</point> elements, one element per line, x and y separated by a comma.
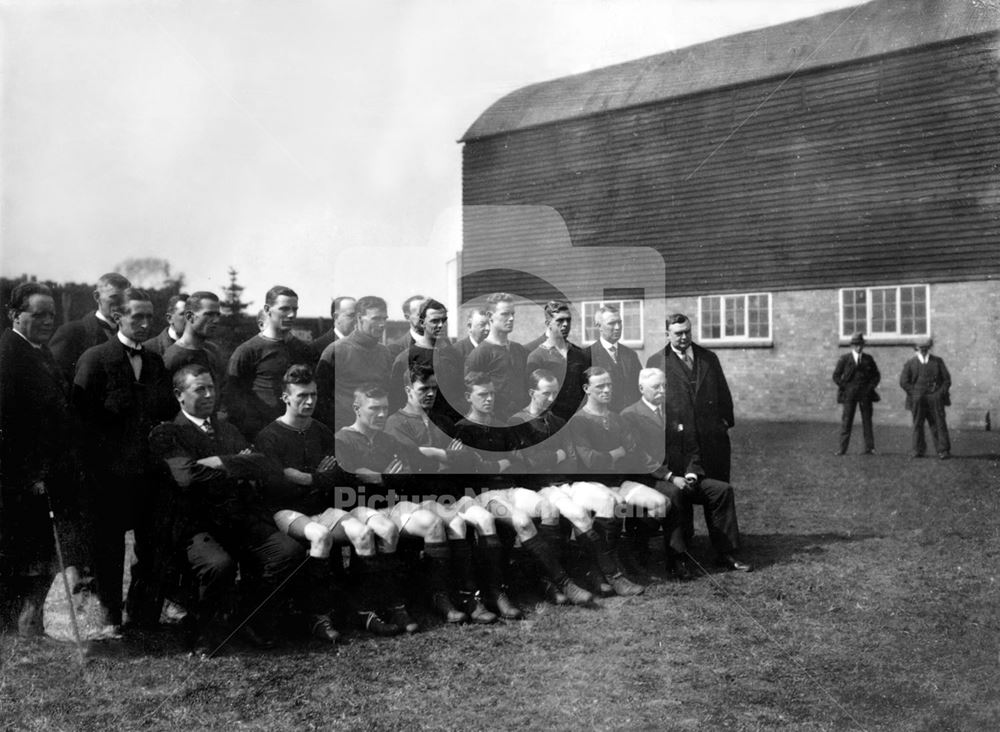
<point>915,455</point>
<point>374,624</point>
<point>575,594</point>
<point>677,569</point>
<point>473,605</point>
<point>600,584</point>
<point>728,561</point>
<point>840,453</point>
<point>400,618</point>
<point>944,456</point>
<point>870,452</point>
<point>322,629</point>
<point>625,587</point>
<point>507,610</point>
<point>552,593</point>
<point>442,603</point>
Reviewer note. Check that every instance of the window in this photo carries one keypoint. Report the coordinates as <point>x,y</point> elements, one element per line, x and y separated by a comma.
<point>885,312</point>
<point>631,312</point>
<point>735,318</point>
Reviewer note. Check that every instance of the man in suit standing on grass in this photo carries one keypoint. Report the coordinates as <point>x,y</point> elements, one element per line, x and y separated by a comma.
<point>927,383</point>
<point>856,377</point>
<point>697,387</point>
<point>73,338</point>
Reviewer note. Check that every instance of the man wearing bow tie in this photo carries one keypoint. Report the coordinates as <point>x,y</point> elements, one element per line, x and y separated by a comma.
<point>119,393</point>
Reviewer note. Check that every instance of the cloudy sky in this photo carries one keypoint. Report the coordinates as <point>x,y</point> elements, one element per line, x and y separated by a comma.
<point>311,144</point>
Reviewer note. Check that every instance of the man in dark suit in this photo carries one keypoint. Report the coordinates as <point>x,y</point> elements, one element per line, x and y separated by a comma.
<point>697,387</point>
<point>167,337</point>
<point>342,313</point>
<point>217,514</point>
<point>856,377</point>
<point>411,313</point>
<point>119,393</point>
<point>617,359</point>
<point>34,435</point>
<point>93,329</point>
<point>477,328</point>
<point>658,432</point>
<point>927,384</point>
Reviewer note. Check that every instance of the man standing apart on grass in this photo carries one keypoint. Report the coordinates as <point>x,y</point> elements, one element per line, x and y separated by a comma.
<point>697,387</point>
<point>856,377</point>
<point>34,455</point>
<point>927,383</point>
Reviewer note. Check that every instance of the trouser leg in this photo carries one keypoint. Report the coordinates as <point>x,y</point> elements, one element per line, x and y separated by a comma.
<point>919,446</point>
<point>720,515</point>
<point>847,423</point>
<point>214,570</point>
<point>939,424</point>
<point>867,411</point>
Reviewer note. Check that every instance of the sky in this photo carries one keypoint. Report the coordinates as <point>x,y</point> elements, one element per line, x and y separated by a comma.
<point>309,144</point>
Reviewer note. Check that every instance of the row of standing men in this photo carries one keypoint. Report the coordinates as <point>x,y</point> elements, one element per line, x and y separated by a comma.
<point>119,393</point>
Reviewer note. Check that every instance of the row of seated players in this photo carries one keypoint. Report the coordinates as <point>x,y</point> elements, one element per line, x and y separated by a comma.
<point>297,491</point>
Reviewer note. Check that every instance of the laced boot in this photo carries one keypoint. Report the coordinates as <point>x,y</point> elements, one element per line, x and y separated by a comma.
<point>499,601</point>
<point>399,617</point>
<point>473,605</point>
<point>442,604</point>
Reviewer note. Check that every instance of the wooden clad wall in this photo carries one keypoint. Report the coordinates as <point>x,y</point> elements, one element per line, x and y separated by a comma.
<point>880,171</point>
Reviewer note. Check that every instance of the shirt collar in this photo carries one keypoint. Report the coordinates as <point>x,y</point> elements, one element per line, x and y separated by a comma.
<point>100,316</point>
<point>172,334</point>
<point>607,346</point>
<point>127,342</point>
<point>36,346</point>
<point>680,354</point>
<point>336,332</point>
<point>652,407</point>
<point>198,421</point>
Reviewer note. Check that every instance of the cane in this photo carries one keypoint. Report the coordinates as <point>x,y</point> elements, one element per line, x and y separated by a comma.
<point>65,580</point>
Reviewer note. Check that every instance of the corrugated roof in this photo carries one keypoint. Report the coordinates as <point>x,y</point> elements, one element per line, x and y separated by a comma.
<point>873,29</point>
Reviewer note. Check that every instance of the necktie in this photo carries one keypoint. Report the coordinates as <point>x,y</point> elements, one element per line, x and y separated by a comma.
<point>207,428</point>
<point>133,352</point>
<point>614,353</point>
<point>688,361</point>
<point>659,414</point>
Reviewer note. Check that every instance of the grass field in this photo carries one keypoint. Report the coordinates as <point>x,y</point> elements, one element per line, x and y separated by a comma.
<point>875,606</point>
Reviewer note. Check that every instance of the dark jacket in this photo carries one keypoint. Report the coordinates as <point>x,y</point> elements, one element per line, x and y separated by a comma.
<point>666,442</point>
<point>73,338</point>
<point>624,374</point>
<point>115,412</point>
<point>919,380</point>
<point>856,381</point>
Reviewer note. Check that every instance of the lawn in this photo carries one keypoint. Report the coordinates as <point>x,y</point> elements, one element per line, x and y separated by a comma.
<point>874,606</point>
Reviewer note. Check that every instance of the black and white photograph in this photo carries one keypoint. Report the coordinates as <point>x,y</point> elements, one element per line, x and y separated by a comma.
<point>570,364</point>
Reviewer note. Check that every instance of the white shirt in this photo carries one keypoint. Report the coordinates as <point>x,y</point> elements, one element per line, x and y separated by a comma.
<point>199,422</point>
<point>100,316</point>
<point>135,360</point>
<point>652,407</point>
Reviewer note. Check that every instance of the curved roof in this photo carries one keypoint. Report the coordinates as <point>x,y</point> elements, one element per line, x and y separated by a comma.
<point>872,29</point>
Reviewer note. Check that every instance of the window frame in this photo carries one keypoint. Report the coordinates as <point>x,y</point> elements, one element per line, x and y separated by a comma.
<point>884,336</point>
<point>736,340</point>
<point>585,321</point>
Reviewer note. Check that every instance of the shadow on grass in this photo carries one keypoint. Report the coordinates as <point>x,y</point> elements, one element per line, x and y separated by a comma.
<point>766,550</point>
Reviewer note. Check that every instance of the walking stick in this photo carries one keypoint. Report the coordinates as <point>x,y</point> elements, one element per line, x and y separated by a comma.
<point>65,580</point>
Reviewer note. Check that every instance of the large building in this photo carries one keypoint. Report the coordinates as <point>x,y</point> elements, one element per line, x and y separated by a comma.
<point>785,187</point>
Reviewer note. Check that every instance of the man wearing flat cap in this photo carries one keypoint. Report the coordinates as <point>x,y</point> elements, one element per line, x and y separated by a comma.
<point>927,383</point>
<point>856,377</point>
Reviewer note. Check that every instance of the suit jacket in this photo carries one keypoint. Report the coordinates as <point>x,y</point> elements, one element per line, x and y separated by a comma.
<point>936,380</point>
<point>318,345</point>
<point>856,381</point>
<point>464,346</point>
<point>674,448</point>
<point>220,501</point>
<point>115,411</point>
<point>624,374</point>
<point>159,343</point>
<point>73,338</point>
<point>35,446</point>
<point>706,403</point>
